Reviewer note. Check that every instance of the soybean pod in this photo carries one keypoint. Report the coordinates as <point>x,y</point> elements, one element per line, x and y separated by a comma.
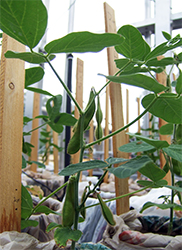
<point>106,211</point>
<point>68,212</point>
<point>74,143</point>
<point>99,116</point>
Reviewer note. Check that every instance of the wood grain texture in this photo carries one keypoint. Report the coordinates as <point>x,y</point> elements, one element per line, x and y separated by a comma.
<point>162,78</point>
<point>12,74</point>
<point>121,185</point>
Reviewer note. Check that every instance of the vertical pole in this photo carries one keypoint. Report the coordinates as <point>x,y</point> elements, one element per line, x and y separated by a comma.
<point>35,134</point>
<point>12,74</point>
<point>138,104</point>
<point>106,131</point>
<point>55,153</point>
<point>162,78</point>
<point>91,138</point>
<point>121,185</point>
<point>79,98</point>
<point>47,145</point>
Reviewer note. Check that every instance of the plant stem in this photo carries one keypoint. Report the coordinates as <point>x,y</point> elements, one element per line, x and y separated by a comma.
<point>123,128</point>
<point>119,197</point>
<point>119,71</point>
<point>42,201</point>
<point>37,127</point>
<point>65,87</point>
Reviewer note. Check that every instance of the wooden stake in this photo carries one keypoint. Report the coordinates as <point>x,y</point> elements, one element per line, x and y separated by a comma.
<point>91,138</point>
<point>161,78</point>
<point>138,103</point>
<point>106,131</point>
<point>12,74</point>
<point>35,134</point>
<point>55,153</point>
<point>121,185</point>
<point>79,98</point>
<point>47,145</point>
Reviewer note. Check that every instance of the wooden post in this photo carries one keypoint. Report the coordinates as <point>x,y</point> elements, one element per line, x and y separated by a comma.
<point>138,104</point>
<point>35,134</point>
<point>79,98</point>
<point>12,74</point>
<point>91,138</point>
<point>127,115</point>
<point>55,153</point>
<point>162,78</point>
<point>121,185</point>
<point>106,131</point>
<point>47,145</point>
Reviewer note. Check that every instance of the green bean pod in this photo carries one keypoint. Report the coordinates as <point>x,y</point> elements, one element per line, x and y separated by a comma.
<point>99,117</point>
<point>74,143</point>
<point>68,212</point>
<point>106,211</point>
<point>83,211</point>
<point>90,109</point>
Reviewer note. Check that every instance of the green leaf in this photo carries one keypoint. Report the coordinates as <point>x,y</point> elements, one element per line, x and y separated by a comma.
<point>66,119</point>
<point>152,204</point>
<point>155,143</point>
<point>40,91</point>
<point>134,46</point>
<point>74,168</point>
<point>113,160</point>
<point>152,171</point>
<point>39,164</point>
<point>28,223</point>
<point>53,109</point>
<point>167,106</point>
<point>156,184</point>
<point>163,48</point>
<point>33,75</point>
<point>166,35</point>
<point>26,120</point>
<point>166,129</point>
<point>56,127</point>
<point>24,162</point>
<point>83,42</point>
<point>174,151</point>
<point>179,84</point>
<point>175,188</point>
<point>51,226</point>
<point>63,234</point>
<point>162,63</point>
<point>25,21</point>
<point>138,80</point>
<point>120,63</point>
<point>131,167</point>
<point>36,58</point>
<point>135,146</point>
<point>26,203</point>
<point>46,210</point>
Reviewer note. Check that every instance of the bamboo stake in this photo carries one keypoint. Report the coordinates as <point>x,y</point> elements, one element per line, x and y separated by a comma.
<point>35,134</point>
<point>121,185</point>
<point>12,74</point>
<point>106,131</point>
<point>162,78</point>
<point>55,153</point>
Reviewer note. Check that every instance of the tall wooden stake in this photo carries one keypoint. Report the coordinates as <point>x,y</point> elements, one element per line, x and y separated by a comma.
<point>12,74</point>
<point>121,185</point>
<point>35,134</point>
<point>55,153</point>
<point>106,131</point>
<point>161,78</point>
<point>79,98</point>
